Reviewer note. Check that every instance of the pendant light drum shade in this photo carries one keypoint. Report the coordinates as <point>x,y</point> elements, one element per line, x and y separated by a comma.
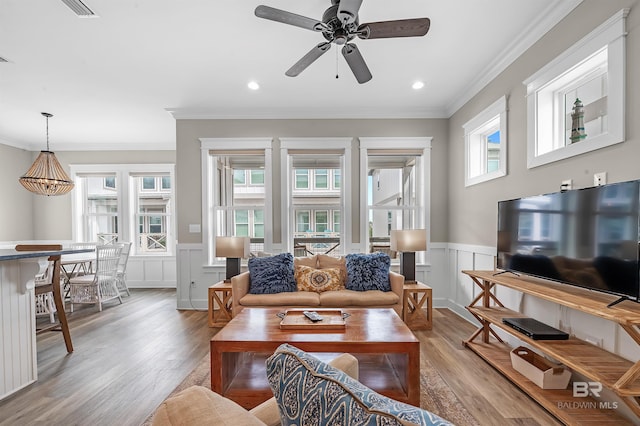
<point>46,176</point>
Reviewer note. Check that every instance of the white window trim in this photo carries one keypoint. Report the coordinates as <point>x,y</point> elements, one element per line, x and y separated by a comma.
<point>126,219</point>
<point>471,129</point>
<point>423,198</point>
<point>313,144</point>
<point>612,34</point>
<point>209,183</point>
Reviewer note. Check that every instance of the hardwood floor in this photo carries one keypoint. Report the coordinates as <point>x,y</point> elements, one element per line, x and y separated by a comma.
<point>126,360</point>
<point>129,357</point>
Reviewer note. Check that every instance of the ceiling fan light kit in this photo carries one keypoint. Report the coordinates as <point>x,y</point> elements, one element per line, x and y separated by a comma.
<point>339,25</point>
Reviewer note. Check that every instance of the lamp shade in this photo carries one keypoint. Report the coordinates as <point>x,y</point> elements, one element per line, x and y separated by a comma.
<point>409,240</point>
<point>232,247</point>
<point>46,176</point>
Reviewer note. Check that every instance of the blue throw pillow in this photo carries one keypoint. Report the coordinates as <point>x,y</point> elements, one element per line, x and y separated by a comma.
<point>368,272</point>
<point>309,391</point>
<point>270,275</point>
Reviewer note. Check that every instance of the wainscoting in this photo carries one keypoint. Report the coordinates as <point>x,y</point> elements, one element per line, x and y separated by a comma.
<point>451,289</point>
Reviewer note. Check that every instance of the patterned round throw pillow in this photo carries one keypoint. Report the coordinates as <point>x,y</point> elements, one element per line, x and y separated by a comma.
<point>318,280</point>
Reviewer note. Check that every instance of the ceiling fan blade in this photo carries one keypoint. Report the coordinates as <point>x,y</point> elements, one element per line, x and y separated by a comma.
<point>348,10</point>
<point>308,59</point>
<point>285,17</point>
<point>388,29</point>
<point>356,63</point>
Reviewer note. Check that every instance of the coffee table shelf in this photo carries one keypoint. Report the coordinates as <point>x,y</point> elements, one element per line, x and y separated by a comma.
<point>387,350</point>
<point>250,385</point>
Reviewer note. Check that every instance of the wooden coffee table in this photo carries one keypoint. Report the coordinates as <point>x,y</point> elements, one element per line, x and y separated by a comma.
<point>387,350</point>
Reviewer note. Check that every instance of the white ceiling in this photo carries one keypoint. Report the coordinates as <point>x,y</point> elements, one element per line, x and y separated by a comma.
<point>118,80</point>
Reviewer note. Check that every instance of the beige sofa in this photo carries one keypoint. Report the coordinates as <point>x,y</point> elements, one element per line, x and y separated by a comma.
<point>328,299</point>
<point>198,405</point>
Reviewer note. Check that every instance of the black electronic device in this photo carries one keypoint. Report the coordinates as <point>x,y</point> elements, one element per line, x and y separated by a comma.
<point>313,316</point>
<point>586,237</point>
<point>535,329</point>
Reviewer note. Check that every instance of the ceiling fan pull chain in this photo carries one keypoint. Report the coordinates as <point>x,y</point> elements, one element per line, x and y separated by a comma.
<point>337,76</point>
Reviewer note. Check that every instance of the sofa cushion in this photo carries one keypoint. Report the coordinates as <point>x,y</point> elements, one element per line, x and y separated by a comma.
<point>198,405</point>
<point>358,298</point>
<point>310,261</point>
<point>368,272</point>
<point>318,280</point>
<point>309,391</point>
<point>270,275</point>
<point>326,261</point>
<point>297,298</point>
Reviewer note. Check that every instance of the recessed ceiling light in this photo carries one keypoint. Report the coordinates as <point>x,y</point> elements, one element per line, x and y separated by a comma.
<point>253,85</point>
<point>418,85</point>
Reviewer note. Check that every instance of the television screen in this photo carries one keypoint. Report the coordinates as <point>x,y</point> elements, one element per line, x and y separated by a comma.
<point>587,237</point>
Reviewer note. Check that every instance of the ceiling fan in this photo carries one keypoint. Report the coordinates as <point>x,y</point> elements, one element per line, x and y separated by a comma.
<point>340,25</point>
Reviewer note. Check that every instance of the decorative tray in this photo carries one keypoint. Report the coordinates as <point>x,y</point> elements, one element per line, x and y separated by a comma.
<point>332,319</point>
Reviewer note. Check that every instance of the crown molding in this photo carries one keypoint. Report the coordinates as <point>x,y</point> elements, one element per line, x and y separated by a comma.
<point>297,114</point>
<point>60,147</point>
<point>530,35</point>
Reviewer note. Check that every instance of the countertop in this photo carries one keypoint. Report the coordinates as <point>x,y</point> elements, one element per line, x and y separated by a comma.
<point>11,254</point>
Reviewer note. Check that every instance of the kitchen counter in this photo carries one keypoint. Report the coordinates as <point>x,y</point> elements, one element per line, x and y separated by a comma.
<point>18,357</point>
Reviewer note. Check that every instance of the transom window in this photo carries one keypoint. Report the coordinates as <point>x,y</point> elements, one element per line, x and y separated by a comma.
<point>575,104</point>
<point>486,144</point>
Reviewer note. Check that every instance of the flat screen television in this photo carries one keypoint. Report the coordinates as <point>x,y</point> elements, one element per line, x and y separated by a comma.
<point>586,237</point>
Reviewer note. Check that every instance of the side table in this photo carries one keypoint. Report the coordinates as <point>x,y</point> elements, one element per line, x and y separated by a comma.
<point>414,313</point>
<point>220,294</point>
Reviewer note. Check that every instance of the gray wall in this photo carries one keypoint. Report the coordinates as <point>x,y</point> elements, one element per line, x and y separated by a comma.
<point>16,207</point>
<point>26,216</point>
<point>473,210</point>
<point>188,169</point>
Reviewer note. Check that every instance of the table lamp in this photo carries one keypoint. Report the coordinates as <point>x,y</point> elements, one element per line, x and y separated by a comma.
<point>233,248</point>
<point>408,242</point>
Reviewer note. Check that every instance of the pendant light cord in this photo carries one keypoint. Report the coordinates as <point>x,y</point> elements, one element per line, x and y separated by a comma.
<point>47,133</point>
<point>46,115</point>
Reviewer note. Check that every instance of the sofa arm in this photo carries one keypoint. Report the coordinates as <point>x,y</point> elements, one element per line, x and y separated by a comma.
<point>268,411</point>
<point>397,283</point>
<point>239,287</point>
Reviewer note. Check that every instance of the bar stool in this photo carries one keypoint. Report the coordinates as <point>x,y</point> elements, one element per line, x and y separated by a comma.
<point>52,285</point>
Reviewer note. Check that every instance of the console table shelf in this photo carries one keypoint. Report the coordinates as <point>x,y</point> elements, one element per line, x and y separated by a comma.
<point>612,371</point>
<point>558,402</point>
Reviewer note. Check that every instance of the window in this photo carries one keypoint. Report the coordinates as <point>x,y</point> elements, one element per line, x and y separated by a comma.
<point>165,182</point>
<point>241,223</point>
<point>336,221</point>
<point>130,202</point>
<point>397,182</point>
<point>148,183</point>
<point>321,177</point>
<point>256,177</point>
<point>486,144</point>
<point>236,178</point>
<point>313,197</point>
<point>99,210</point>
<point>321,221</point>
<point>243,204</point>
<point>110,182</point>
<point>302,179</point>
<point>303,221</point>
<point>239,177</point>
<point>591,73</point>
<point>153,212</point>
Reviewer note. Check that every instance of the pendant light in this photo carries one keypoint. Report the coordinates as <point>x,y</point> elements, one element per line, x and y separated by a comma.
<point>46,176</point>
